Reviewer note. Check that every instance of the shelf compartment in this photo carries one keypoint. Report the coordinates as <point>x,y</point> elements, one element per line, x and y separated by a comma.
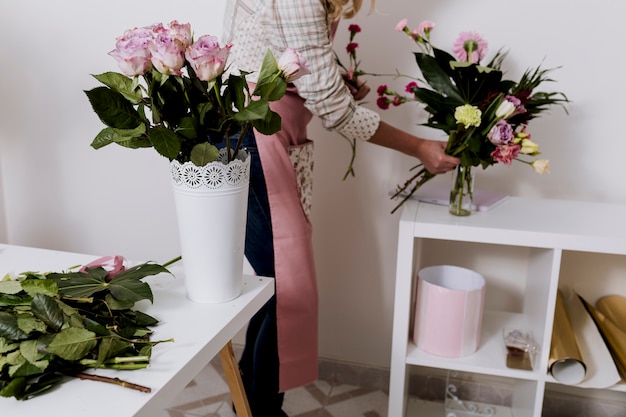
<point>490,358</point>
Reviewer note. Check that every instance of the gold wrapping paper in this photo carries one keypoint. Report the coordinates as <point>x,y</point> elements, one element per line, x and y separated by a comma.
<point>566,362</point>
<point>611,308</point>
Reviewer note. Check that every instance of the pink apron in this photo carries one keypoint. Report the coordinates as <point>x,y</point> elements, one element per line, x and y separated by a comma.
<point>296,287</point>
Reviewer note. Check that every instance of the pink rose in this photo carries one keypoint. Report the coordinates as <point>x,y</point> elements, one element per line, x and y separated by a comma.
<point>207,58</point>
<point>505,154</point>
<point>132,51</point>
<point>167,54</point>
<point>181,32</point>
<point>292,65</point>
<point>113,264</point>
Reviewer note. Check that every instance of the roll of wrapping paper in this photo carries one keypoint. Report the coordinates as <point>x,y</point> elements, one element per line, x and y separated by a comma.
<point>565,363</point>
<point>612,333</point>
<point>614,308</point>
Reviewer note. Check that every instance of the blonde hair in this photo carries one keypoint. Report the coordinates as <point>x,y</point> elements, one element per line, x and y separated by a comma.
<point>345,8</point>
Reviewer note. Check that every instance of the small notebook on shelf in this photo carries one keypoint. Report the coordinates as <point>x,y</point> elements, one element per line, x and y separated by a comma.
<point>440,195</point>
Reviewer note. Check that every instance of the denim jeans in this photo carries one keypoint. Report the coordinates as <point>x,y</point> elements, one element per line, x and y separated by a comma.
<point>259,362</point>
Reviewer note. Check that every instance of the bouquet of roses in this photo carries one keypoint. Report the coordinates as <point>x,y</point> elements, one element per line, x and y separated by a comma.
<point>178,96</point>
<point>484,115</point>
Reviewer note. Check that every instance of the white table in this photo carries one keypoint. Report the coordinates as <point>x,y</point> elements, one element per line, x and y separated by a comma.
<point>200,331</point>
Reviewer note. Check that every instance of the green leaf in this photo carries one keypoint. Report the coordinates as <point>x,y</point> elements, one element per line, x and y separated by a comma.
<point>143,319</point>
<point>270,85</point>
<point>10,287</point>
<point>113,109</point>
<point>187,127</point>
<point>271,91</point>
<point>42,384</point>
<point>29,351</point>
<point>40,286</point>
<point>47,310</point>
<point>203,153</point>
<point>28,323</point>
<point>110,347</point>
<point>115,304</point>
<point>79,284</point>
<point>72,344</point>
<point>110,135</point>
<point>122,84</point>
<point>256,110</point>
<point>9,328</point>
<point>166,142</point>
<point>270,125</point>
<point>28,369</point>
<point>15,388</point>
<point>127,288</point>
<point>6,345</point>
<point>436,77</point>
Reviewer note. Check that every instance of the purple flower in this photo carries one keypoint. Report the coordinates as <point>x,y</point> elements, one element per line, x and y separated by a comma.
<point>132,51</point>
<point>470,47</point>
<point>207,58</point>
<point>168,53</point>
<point>501,133</point>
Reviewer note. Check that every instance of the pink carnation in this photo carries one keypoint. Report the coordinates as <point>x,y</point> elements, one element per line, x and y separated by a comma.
<point>425,27</point>
<point>470,42</point>
<point>402,25</point>
<point>505,154</point>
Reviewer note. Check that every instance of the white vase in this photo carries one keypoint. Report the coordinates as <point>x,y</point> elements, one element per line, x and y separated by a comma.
<point>211,207</point>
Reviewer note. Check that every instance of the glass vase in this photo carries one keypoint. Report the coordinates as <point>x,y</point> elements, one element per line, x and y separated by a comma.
<point>461,194</point>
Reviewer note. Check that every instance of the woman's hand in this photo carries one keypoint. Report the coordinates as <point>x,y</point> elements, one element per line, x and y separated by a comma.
<point>359,89</point>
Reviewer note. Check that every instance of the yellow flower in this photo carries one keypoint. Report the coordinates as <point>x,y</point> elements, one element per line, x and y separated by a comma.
<point>468,115</point>
<point>529,147</point>
<point>541,166</point>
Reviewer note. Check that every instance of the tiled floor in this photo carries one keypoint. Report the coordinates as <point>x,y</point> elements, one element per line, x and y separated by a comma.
<point>207,396</point>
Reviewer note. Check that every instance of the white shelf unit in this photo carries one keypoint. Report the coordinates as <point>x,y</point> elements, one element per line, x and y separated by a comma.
<point>538,229</point>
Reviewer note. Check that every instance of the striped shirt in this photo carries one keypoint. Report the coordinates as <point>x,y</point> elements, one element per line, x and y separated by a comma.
<point>253,26</point>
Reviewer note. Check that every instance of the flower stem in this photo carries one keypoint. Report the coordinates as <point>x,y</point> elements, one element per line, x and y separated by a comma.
<point>172,261</point>
<point>115,381</point>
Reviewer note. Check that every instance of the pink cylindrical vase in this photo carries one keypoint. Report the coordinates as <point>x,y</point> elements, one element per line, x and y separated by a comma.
<point>449,310</point>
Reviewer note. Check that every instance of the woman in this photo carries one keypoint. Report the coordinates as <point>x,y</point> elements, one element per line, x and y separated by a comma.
<point>281,342</point>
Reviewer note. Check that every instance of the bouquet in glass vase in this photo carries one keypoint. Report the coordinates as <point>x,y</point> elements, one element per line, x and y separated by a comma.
<point>484,115</point>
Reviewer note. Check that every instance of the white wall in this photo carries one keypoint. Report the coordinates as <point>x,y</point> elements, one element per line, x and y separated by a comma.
<point>59,193</point>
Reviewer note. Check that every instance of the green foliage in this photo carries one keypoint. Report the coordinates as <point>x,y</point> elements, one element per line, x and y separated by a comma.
<point>181,116</point>
<point>59,324</point>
